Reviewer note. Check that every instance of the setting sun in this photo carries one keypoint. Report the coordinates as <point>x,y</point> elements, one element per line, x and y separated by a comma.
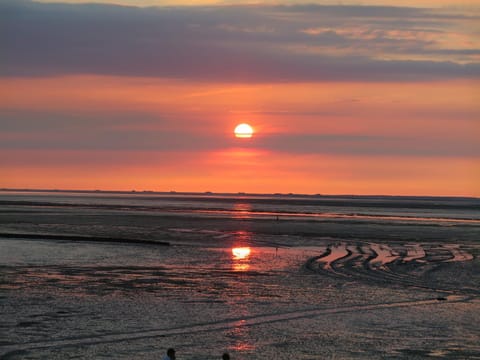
<point>243,131</point>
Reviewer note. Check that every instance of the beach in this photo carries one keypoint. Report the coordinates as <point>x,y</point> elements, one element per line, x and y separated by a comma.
<point>126,276</point>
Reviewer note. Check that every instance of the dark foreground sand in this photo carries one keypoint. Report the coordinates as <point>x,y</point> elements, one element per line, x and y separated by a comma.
<point>308,290</point>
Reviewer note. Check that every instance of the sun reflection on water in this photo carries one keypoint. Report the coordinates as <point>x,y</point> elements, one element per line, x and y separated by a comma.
<point>240,256</point>
<point>241,253</point>
<point>242,210</point>
<point>241,334</point>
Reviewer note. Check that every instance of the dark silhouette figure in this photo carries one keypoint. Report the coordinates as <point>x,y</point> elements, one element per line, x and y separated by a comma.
<point>225,356</point>
<point>170,354</point>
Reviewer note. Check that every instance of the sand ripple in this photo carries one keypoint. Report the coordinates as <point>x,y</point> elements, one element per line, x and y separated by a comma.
<point>405,265</point>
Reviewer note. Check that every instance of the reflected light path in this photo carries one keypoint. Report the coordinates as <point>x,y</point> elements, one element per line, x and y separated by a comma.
<point>241,253</point>
<point>242,210</point>
<point>240,334</point>
<point>240,257</point>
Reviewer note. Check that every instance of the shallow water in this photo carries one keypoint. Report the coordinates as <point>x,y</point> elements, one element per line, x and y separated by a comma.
<point>316,288</point>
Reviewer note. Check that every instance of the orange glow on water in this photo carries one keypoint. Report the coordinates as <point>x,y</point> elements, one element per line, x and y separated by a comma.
<point>241,261</point>
<point>242,210</point>
<point>241,253</point>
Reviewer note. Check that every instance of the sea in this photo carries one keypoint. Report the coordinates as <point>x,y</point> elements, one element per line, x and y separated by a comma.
<point>127,275</point>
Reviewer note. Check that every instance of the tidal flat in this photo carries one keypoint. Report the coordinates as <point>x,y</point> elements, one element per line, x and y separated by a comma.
<point>97,276</point>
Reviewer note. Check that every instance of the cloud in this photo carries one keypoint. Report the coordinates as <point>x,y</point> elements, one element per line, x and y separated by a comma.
<point>133,131</point>
<point>231,43</point>
<point>371,145</point>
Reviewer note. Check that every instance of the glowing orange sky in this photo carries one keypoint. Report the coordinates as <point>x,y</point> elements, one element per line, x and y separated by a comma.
<point>352,133</point>
<point>243,165</point>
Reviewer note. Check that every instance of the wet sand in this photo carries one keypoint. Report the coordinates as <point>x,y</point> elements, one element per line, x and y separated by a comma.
<point>330,289</point>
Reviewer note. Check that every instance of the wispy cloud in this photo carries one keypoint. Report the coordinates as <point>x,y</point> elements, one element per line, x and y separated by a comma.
<point>250,43</point>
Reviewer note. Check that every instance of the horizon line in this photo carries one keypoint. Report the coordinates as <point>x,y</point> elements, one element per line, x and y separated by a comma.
<point>240,193</point>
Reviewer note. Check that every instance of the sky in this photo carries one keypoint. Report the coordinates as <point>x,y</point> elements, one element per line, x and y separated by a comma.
<point>345,97</point>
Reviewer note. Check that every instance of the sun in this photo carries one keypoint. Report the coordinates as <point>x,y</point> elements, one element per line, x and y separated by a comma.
<point>243,131</point>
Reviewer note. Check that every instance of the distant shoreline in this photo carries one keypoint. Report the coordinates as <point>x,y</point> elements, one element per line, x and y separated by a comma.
<point>210,193</point>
